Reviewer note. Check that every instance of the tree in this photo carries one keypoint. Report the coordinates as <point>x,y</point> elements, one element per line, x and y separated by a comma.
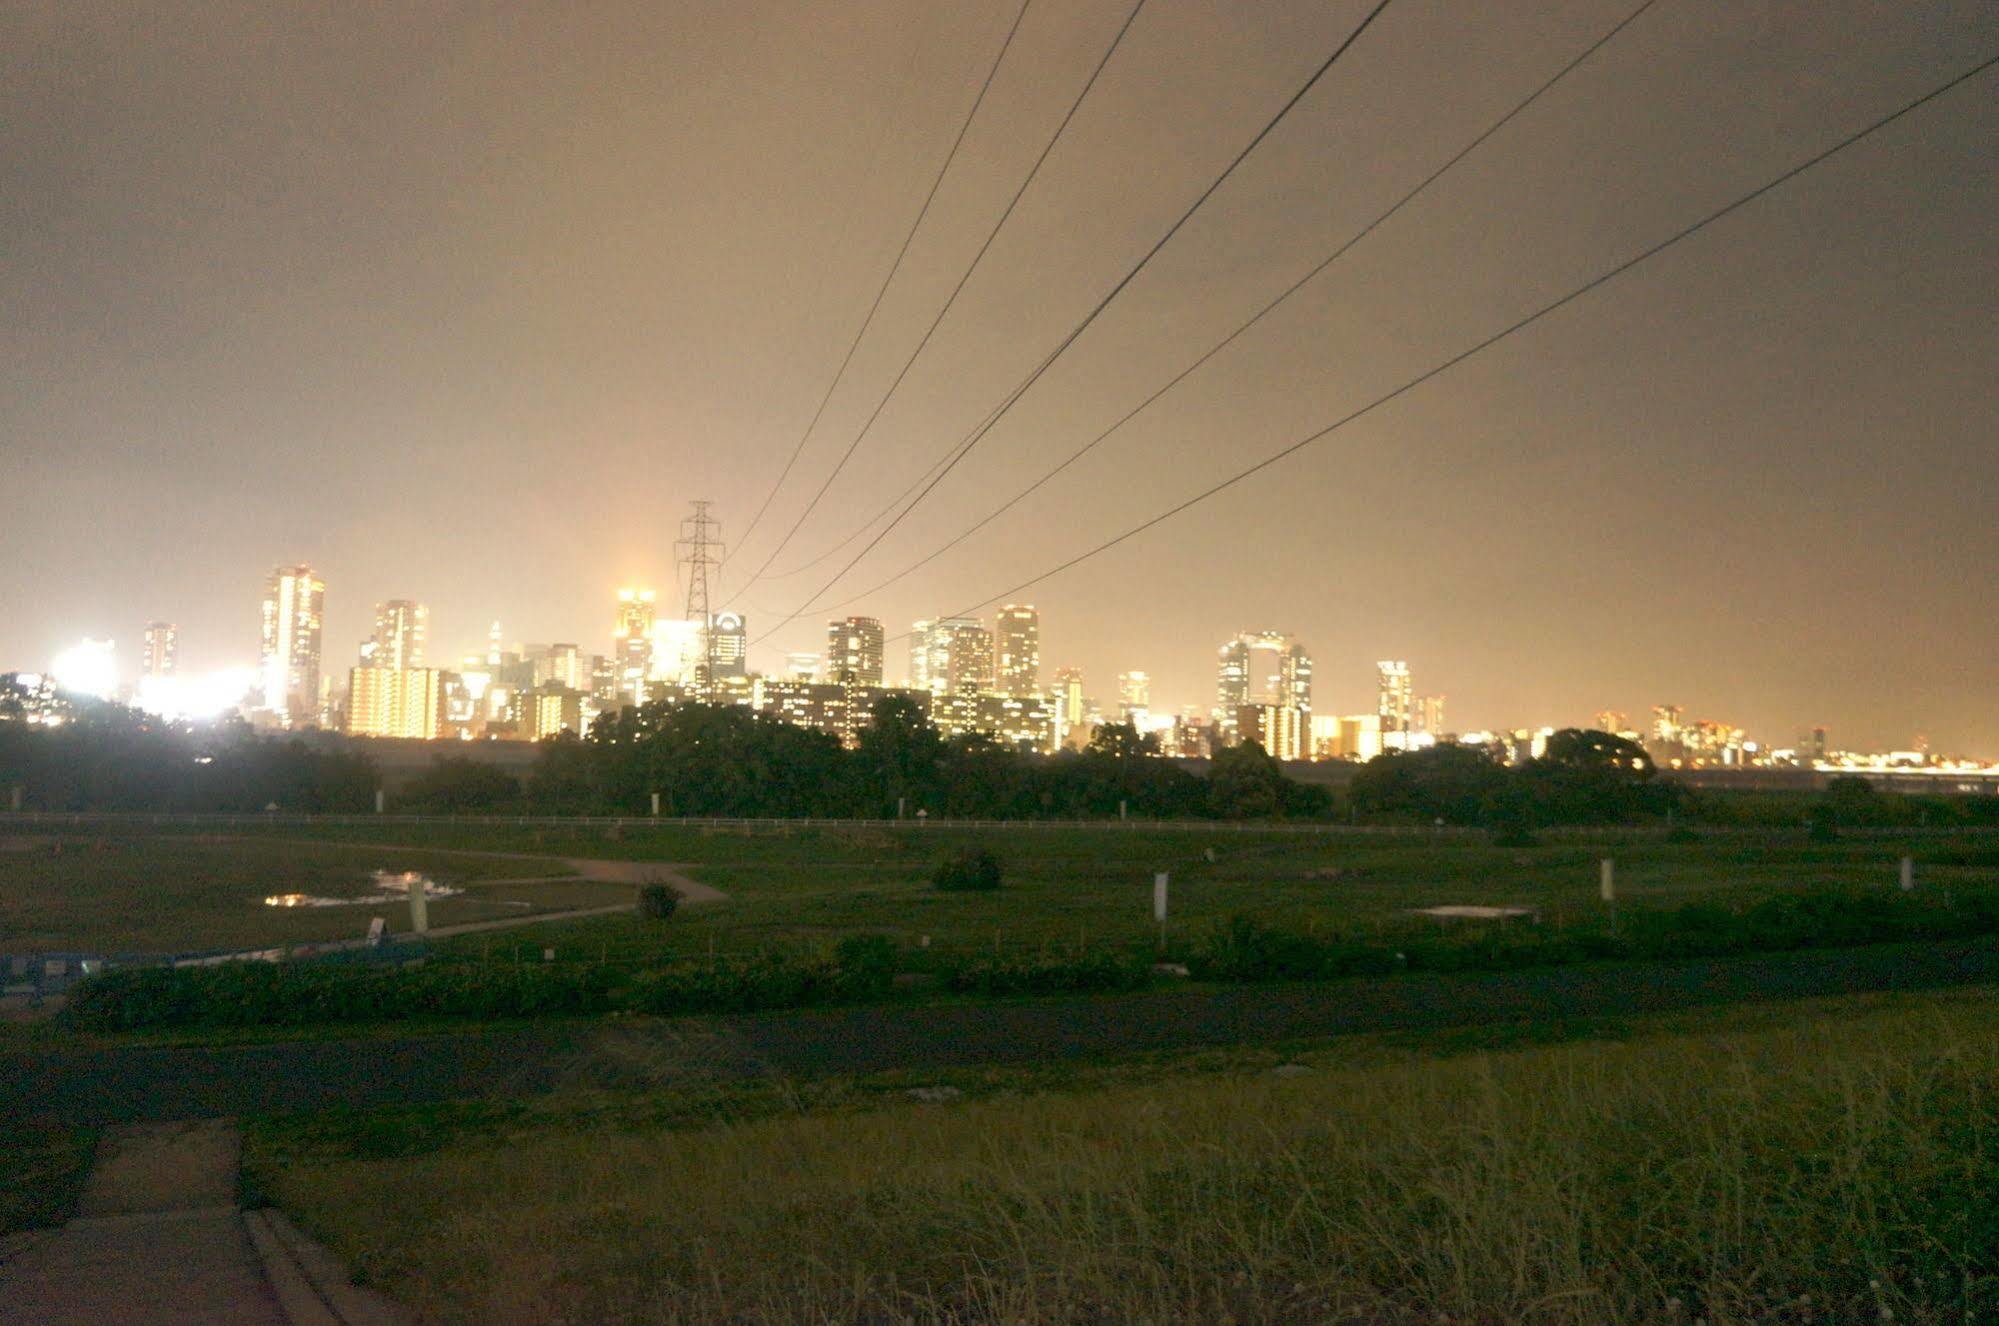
<point>455,786</point>
<point>1244,782</point>
<point>897,755</point>
<point>1447,782</point>
<point>1584,777</point>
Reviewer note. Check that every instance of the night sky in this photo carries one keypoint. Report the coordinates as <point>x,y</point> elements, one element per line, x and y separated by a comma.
<point>463,303</point>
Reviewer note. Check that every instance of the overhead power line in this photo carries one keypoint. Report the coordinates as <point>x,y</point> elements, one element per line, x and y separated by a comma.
<point>840,373</point>
<point>1242,329</point>
<point>1520,324</point>
<point>1325,66</point>
<point>956,290</point>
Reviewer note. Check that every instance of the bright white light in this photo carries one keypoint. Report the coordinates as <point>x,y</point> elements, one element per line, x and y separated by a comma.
<point>87,668</point>
<point>196,695</point>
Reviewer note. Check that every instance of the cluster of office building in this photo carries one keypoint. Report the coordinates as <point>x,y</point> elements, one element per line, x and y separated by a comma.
<point>967,675</point>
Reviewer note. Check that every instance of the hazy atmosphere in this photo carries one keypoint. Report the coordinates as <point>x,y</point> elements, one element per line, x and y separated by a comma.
<point>463,304</point>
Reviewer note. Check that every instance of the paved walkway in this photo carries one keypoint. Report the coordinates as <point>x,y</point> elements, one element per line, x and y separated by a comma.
<point>158,1239</point>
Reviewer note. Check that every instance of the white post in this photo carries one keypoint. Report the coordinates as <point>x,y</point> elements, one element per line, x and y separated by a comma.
<point>899,806</point>
<point>655,805</point>
<point>1607,883</point>
<point>1122,807</point>
<point>1159,906</point>
<point>1908,873</point>
<point>419,906</point>
<point>379,800</point>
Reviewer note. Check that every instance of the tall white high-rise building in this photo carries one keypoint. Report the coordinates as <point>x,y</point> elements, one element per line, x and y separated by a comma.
<point>1262,669</point>
<point>1017,644</point>
<point>632,644</point>
<point>401,628</point>
<point>951,656</point>
<point>294,614</point>
<point>162,654</point>
<point>1394,703</point>
<point>854,651</point>
<point>1134,697</point>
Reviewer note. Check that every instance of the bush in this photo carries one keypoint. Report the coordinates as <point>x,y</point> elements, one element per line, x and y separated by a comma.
<point>657,902</point>
<point>1101,969</point>
<point>261,994</point>
<point>968,870</point>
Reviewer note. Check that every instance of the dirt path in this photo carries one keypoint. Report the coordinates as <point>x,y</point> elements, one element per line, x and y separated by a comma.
<point>183,1082</point>
<point>669,873</point>
<point>158,1238</point>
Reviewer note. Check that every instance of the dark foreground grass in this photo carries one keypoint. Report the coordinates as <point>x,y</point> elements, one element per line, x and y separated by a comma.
<point>42,1167</point>
<point>1831,1161</point>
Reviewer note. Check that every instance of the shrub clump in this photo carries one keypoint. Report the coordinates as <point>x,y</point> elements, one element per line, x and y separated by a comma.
<point>858,969</point>
<point>289,994</point>
<point>1099,969</point>
<point>657,902</point>
<point>968,870</point>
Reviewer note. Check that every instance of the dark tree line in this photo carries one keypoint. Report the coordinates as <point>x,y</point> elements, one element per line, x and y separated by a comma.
<point>726,761</point>
<point>708,760</point>
<point>111,759</point>
<point>1582,777</point>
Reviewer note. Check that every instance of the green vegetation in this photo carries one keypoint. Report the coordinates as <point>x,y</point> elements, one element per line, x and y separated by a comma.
<point>128,892</point>
<point>864,968</point>
<point>42,1167</point>
<point>968,870</point>
<point>1830,1162</point>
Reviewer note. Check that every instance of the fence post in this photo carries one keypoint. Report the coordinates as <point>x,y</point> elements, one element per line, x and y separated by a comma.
<point>1908,873</point>
<point>1607,883</point>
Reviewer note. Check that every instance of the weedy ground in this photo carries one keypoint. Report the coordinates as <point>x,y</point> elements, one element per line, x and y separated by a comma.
<point>1833,1161</point>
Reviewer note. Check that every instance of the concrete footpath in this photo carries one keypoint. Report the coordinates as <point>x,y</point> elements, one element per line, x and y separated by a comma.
<point>158,1238</point>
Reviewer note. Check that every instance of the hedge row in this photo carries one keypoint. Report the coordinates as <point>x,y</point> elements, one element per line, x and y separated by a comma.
<point>864,968</point>
<point>259,994</point>
<point>1247,950</point>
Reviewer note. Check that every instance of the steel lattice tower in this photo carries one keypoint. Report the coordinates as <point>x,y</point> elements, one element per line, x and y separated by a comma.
<point>700,550</point>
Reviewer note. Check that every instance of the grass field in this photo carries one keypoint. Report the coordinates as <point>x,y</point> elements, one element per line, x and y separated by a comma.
<point>42,1166</point>
<point>126,893</point>
<point>1063,886</point>
<point>1826,1161</point>
<point>1070,887</point>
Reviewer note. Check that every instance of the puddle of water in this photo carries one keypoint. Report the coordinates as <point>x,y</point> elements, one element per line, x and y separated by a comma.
<point>390,886</point>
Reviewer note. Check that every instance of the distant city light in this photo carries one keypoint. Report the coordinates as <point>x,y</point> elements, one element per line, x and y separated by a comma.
<point>198,695</point>
<point>88,667</point>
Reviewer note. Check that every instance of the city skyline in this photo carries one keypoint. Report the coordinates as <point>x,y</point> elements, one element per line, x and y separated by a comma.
<point>1264,680</point>
<point>241,269</point>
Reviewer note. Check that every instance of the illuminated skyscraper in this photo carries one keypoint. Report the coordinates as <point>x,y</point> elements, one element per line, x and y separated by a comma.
<point>395,702</point>
<point>1263,669</point>
<point>294,610</point>
<point>631,643</point>
<point>162,655</point>
<point>401,627</point>
<point>1430,715</point>
<point>854,651</point>
<point>1017,641</point>
<point>1134,697</point>
<point>1068,703</point>
<point>1392,704</point>
<point>803,666</point>
<point>561,665</point>
<point>951,655</point>
<point>728,644</point>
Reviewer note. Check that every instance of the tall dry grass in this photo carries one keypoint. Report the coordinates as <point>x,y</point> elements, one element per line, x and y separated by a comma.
<point>1840,1172</point>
